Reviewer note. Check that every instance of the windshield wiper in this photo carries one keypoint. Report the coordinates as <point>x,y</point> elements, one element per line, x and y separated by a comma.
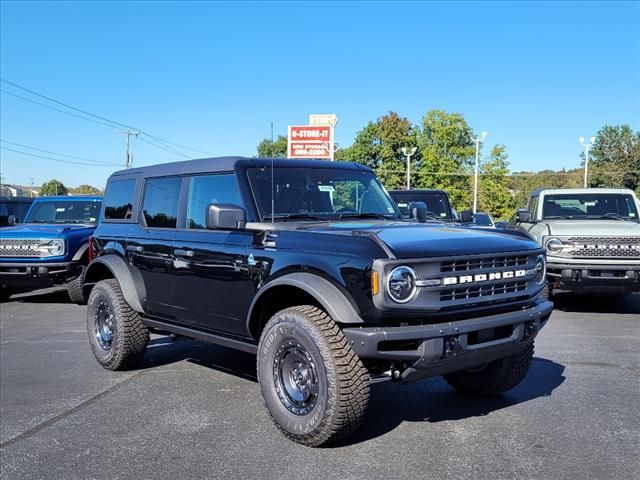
<point>610,216</point>
<point>293,216</point>
<point>364,215</point>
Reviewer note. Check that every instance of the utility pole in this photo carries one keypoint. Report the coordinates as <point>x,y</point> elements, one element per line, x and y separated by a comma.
<point>128,156</point>
<point>31,183</point>
<point>408,152</point>
<point>477,140</point>
<point>587,147</point>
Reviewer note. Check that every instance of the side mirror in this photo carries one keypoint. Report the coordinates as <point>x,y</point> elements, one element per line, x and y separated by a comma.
<point>225,216</point>
<point>466,216</point>
<point>523,216</point>
<point>11,220</point>
<point>418,211</point>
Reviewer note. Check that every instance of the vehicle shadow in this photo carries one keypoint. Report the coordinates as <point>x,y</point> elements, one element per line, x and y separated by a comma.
<point>431,400</point>
<point>434,401</point>
<point>49,295</point>
<point>569,302</point>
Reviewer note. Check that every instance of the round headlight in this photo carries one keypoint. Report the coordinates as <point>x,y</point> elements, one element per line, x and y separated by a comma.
<point>541,270</point>
<point>401,284</point>
<point>56,247</point>
<point>554,245</point>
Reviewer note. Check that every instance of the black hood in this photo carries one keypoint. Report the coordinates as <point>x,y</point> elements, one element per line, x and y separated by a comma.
<point>416,240</point>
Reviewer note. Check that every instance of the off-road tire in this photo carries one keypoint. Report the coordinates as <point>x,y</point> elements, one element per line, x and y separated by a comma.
<point>74,289</point>
<point>130,336</point>
<point>496,377</point>
<point>343,381</point>
<point>547,292</point>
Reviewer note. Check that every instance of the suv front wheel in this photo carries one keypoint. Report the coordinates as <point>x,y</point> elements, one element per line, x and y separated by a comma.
<point>117,336</point>
<point>315,387</point>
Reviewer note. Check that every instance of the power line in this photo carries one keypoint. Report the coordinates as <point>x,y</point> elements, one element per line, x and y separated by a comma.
<point>54,108</point>
<point>57,159</point>
<point>101,119</point>
<point>165,148</point>
<point>55,153</point>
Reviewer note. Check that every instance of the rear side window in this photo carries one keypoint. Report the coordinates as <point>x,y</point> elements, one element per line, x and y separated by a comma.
<point>118,202</point>
<point>160,205</point>
<point>207,189</point>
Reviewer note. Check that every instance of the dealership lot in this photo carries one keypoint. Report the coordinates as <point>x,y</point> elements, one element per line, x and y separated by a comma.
<point>195,410</point>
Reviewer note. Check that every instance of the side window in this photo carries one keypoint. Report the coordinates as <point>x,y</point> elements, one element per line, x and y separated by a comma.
<point>160,205</point>
<point>118,202</point>
<point>207,189</point>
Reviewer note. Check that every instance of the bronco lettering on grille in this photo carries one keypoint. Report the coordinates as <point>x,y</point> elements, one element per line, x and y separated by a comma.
<point>484,277</point>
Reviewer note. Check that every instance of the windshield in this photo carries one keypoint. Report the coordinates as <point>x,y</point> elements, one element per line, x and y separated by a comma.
<point>319,194</point>
<point>64,211</point>
<point>437,203</point>
<point>589,205</point>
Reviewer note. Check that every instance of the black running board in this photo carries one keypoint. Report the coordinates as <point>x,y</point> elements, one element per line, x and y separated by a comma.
<point>200,335</point>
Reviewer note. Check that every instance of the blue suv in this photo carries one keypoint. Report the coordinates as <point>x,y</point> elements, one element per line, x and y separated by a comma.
<point>51,247</point>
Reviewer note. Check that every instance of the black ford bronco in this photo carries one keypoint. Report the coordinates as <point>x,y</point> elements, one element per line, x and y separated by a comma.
<point>310,266</point>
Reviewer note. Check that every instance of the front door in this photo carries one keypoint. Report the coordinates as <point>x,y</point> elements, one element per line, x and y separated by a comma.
<point>212,284</point>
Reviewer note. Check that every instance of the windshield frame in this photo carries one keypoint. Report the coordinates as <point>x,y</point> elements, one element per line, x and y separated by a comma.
<point>37,205</point>
<point>582,198</point>
<point>265,215</point>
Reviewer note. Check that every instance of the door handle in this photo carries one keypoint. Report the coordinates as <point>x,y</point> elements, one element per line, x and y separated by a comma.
<point>135,248</point>
<point>178,252</point>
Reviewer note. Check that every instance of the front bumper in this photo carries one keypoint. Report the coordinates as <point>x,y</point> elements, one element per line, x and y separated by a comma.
<point>430,350</point>
<point>599,277</point>
<point>35,274</point>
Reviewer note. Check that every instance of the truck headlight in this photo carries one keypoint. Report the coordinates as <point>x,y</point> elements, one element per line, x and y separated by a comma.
<point>554,246</point>
<point>541,270</point>
<point>401,284</point>
<point>51,248</point>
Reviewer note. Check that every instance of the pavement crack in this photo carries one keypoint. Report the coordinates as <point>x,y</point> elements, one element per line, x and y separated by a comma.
<point>47,423</point>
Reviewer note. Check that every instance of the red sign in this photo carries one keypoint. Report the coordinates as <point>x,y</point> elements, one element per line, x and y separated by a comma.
<point>310,141</point>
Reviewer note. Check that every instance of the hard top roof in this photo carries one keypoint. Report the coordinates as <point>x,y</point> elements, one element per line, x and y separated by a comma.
<point>86,198</point>
<point>227,164</point>
<point>570,191</point>
<point>419,190</point>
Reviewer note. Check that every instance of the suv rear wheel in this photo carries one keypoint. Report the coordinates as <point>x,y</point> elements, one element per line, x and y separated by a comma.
<point>315,387</point>
<point>495,377</point>
<point>117,336</point>
<point>74,289</point>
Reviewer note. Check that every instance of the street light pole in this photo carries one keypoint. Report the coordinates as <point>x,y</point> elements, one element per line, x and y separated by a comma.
<point>408,152</point>
<point>587,147</point>
<point>477,141</point>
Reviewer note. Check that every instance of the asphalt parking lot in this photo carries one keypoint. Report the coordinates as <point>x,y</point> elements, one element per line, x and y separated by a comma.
<point>195,411</point>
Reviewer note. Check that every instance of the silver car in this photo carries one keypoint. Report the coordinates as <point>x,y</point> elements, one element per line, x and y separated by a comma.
<point>591,235</point>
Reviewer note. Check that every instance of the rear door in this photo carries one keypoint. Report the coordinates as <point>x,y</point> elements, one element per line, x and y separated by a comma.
<point>212,285</point>
<point>150,242</point>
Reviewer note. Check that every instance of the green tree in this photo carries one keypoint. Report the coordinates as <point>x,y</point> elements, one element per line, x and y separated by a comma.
<point>447,153</point>
<point>379,146</point>
<point>85,190</point>
<point>523,183</point>
<point>53,187</point>
<point>273,149</point>
<point>615,158</point>
<point>494,195</point>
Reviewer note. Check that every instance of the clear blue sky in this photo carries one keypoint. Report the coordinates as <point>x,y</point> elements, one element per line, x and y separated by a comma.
<point>213,76</point>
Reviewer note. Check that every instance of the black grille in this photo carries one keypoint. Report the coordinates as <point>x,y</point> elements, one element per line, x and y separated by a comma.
<point>465,265</point>
<point>18,247</point>
<point>464,293</point>
<point>622,247</point>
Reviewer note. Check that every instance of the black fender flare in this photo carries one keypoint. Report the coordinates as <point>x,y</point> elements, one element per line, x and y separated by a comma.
<point>129,279</point>
<point>330,298</point>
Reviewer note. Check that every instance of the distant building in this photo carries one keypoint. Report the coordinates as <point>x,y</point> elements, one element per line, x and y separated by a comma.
<point>7,190</point>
